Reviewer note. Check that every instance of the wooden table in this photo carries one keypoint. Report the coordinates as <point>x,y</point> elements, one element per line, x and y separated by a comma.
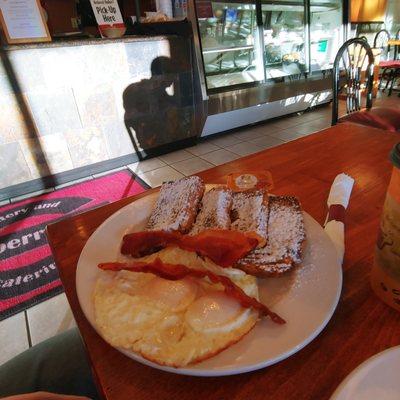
<point>360,327</point>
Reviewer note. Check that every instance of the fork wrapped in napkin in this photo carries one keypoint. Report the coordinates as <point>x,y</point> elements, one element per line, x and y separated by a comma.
<point>338,201</point>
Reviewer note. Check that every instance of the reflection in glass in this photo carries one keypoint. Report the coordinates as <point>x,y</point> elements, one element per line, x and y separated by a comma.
<point>325,32</point>
<point>284,38</point>
<point>229,41</point>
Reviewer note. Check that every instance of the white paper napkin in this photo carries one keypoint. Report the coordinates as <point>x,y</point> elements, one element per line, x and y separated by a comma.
<point>339,195</point>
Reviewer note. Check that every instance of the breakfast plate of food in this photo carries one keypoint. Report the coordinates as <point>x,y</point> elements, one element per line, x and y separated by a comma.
<point>209,280</point>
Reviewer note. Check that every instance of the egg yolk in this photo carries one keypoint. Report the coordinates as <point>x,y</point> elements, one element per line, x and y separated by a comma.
<point>212,310</point>
<point>173,295</point>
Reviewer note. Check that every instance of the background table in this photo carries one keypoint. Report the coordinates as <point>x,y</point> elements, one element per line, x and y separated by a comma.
<point>360,327</point>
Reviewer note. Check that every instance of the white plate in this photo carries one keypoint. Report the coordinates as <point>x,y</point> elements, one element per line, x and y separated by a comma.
<point>375,379</point>
<point>306,298</point>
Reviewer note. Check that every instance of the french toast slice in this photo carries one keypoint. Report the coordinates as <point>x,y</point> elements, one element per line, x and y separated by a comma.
<point>177,205</point>
<point>214,211</point>
<point>286,240</point>
<point>250,214</point>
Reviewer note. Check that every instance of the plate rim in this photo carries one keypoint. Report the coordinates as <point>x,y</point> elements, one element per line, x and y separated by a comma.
<point>342,386</point>
<point>210,372</point>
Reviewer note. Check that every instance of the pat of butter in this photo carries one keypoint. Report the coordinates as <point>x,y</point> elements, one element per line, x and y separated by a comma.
<point>242,181</point>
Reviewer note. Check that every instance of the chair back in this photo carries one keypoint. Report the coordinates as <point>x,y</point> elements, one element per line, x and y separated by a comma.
<point>396,48</point>
<point>363,38</point>
<point>381,42</point>
<point>353,75</point>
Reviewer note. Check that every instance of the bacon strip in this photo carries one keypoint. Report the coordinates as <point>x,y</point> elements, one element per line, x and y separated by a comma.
<point>178,271</point>
<point>224,247</point>
<point>139,244</point>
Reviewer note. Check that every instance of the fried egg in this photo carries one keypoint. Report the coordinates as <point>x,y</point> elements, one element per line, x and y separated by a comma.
<point>172,323</point>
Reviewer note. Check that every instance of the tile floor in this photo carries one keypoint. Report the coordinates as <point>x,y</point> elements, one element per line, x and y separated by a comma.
<point>53,316</point>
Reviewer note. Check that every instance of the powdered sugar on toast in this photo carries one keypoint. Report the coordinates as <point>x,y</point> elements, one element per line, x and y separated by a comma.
<point>250,213</point>
<point>177,205</point>
<point>286,234</point>
<point>215,211</point>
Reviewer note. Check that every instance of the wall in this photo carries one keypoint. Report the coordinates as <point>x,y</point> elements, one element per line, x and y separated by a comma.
<point>392,19</point>
<point>367,10</point>
<point>65,107</point>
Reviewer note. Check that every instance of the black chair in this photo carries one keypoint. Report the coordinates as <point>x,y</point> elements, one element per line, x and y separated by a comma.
<point>352,82</point>
<point>388,67</point>
<point>396,72</point>
<point>381,42</point>
<point>395,76</point>
<point>396,48</point>
<point>363,38</point>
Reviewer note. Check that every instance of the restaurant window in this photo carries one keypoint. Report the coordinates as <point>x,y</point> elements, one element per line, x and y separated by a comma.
<point>325,33</point>
<point>230,45</point>
<point>284,32</point>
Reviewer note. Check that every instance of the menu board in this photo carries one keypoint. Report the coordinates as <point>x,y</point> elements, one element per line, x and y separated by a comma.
<point>23,21</point>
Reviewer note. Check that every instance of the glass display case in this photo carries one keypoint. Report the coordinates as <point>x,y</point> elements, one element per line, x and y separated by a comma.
<point>284,35</point>
<point>267,41</point>
<point>326,35</point>
<point>260,59</point>
<point>230,44</point>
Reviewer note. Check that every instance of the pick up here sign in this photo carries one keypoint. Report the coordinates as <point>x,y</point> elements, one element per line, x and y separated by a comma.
<point>107,13</point>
